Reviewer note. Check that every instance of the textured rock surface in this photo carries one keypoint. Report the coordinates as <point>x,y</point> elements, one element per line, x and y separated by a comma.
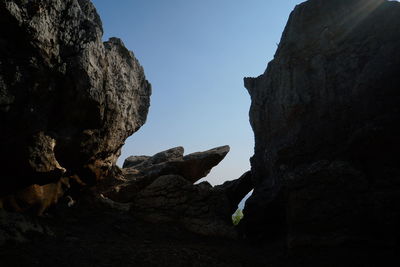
<point>143,162</point>
<point>134,160</point>
<point>86,234</point>
<point>161,189</point>
<point>334,203</point>
<point>330,93</point>
<point>35,199</point>
<point>198,165</point>
<point>68,101</point>
<point>18,228</point>
<point>199,208</point>
<point>192,167</point>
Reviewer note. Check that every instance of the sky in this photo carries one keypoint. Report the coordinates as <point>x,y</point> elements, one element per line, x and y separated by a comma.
<point>195,54</point>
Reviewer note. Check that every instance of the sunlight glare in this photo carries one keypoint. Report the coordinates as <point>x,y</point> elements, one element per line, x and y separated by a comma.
<point>361,13</point>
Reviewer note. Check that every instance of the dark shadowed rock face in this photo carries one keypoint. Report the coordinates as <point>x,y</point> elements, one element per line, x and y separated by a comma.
<point>199,208</point>
<point>144,170</point>
<point>68,101</point>
<point>161,189</point>
<point>237,189</point>
<point>329,95</point>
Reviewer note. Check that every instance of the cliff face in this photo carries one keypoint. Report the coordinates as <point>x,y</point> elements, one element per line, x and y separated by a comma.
<point>325,116</point>
<point>68,101</point>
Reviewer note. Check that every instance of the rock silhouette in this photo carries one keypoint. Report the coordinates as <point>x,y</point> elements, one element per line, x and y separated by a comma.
<point>161,189</point>
<point>325,172</point>
<point>68,101</point>
<point>325,115</point>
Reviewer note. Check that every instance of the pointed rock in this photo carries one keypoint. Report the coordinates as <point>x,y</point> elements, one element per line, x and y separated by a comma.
<point>197,165</point>
<point>191,167</point>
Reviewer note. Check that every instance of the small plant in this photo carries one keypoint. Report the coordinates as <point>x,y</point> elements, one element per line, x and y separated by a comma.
<point>237,216</point>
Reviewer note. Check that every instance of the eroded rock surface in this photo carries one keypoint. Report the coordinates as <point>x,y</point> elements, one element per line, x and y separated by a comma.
<point>199,208</point>
<point>161,189</point>
<point>330,94</point>
<point>18,228</point>
<point>192,167</point>
<point>68,101</point>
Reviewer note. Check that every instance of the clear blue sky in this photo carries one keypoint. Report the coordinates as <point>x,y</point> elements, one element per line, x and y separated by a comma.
<point>195,53</point>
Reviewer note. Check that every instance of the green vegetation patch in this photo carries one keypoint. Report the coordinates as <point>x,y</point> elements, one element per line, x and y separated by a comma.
<point>237,216</point>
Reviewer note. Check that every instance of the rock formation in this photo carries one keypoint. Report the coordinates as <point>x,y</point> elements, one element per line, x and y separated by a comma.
<point>16,228</point>
<point>237,189</point>
<point>158,189</point>
<point>68,101</point>
<point>325,115</point>
<point>142,173</point>
<point>161,189</point>
<point>199,208</point>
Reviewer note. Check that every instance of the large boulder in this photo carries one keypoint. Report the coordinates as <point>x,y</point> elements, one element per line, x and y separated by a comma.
<point>162,189</point>
<point>144,170</point>
<point>199,208</point>
<point>68,101</point>
<point>330,94</point>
